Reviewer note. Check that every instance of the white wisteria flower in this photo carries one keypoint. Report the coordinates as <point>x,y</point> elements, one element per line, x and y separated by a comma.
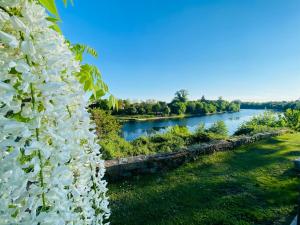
<point>51,170</point>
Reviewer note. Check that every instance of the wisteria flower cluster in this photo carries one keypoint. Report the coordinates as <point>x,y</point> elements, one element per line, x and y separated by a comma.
<point>51,170</point>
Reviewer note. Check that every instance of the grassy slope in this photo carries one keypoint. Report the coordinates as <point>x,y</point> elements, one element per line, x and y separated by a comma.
<point>251,185</point>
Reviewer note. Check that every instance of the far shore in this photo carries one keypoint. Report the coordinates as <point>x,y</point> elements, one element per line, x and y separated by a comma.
<point>153,117</point>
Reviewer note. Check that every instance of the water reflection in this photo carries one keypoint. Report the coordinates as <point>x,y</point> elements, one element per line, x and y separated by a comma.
<point>132,130</point>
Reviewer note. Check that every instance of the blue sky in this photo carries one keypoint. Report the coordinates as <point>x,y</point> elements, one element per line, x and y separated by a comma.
<point>248,50</point>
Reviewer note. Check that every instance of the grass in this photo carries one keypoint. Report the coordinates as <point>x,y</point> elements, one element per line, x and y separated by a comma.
<point>255,184</point>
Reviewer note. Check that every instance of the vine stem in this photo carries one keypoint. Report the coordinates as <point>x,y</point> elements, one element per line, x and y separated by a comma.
<point>37,133</point>
<point>5,10</point>
<point>68,108</point>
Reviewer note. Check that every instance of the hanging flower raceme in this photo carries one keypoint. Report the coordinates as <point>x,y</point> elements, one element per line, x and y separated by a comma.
<point>50,166</point>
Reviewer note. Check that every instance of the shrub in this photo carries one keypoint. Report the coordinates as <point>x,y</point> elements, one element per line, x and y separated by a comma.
<point>268,121</point>
<point>218,129</point>
<point>200,128</point>
<point>175,138</point>
<point>115,147</point>
<point>106,124</point>
<point>268,118</point>
<point>180,131</point>
<point>169,143</point>
<point>292,119</point>
<point>200,134</point>
<point>143,145</point>
<point>253,129</point>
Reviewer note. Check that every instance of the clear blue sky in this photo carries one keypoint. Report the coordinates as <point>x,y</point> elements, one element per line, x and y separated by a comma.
<point>238,49</point>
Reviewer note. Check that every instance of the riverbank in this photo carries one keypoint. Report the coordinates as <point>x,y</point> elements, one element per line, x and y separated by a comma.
<point>254,184</point>
<point>153,163</point>
<point>139,118</point>
<point>134,129</point>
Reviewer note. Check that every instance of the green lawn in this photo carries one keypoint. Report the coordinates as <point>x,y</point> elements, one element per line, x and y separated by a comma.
<point>255,184</point>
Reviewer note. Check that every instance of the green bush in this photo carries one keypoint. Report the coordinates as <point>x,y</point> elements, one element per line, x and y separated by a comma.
<point>268,118</point>
<point>200,128</point>
<point>180,131</point>
<point>114,146</point>
<point>106,124</point>
<point>253,129</point>
<point>218,129</point>
<point>168,142</point>
<point>144,145</point>
<point>200,134</point>
<point>292,119</point>
<point>268,121</point>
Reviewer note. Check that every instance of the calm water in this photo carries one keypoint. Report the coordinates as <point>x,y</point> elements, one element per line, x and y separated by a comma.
<point>133,130</point>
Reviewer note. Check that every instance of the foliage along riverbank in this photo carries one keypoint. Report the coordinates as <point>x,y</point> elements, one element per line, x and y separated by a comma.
<point>273,105</point>
<point>179,107</point>
<point>119,169</point>
<point>127,118</point>
<point>114,146</point>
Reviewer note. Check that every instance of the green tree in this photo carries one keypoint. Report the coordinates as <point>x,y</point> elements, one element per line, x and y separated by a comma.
<point>166,110</point>
<point>221,105</point>
<point>203,99</point>
<point>191,107</point>
<point>141,110</point>
<point>156,108</point>
<point>178,108</point>
<point>101,104</point>
<point>199,108</point>
<point>148,107</point>
<point>233,107</point>
<point>132,110</point>
<point>181,96</point>
<point>106,124</point>
<point>211,108</point>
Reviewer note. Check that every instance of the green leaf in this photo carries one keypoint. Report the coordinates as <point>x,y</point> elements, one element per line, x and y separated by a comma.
<point>50,6</point>
<point>113,102</point>
<point>90,76</point>
<point>52,19</point>
<point>80,49</point>
<point>91,51</point>
<point>15,214</point>
<point>18,117</point>
<point>56,28</point>
<point>88,85</point>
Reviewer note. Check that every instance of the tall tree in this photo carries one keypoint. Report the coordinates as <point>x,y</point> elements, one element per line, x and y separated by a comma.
<point>181,96</point>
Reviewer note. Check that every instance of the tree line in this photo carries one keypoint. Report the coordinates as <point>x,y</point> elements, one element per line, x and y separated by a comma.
<point>279,105</point>
<point>178,106</point>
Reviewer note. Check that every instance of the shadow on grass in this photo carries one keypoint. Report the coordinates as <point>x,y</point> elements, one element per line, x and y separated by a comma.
<point>252,185</point>
<point>292,153</point>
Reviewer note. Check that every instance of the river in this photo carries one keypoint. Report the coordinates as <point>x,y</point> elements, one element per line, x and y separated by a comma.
<point>134,129</point>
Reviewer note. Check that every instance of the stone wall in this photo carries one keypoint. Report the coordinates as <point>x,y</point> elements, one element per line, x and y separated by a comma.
<point>125,167</point>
